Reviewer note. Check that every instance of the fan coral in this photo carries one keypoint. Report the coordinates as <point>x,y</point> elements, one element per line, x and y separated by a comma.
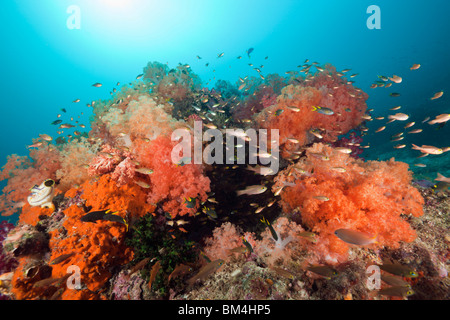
<point>155,72</point>
<point>370,197</point>
<point>169,88</point>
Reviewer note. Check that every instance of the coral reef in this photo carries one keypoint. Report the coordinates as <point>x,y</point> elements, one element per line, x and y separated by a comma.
<point>126,222</point>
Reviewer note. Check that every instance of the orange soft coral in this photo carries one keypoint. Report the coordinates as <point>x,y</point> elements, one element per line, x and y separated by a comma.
<point>169,183</point>
<point>294,116</point>
<point>369,197</point>
<point>290,123</point>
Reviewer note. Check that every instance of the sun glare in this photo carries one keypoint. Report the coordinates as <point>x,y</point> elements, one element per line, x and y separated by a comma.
<point>116,3</point>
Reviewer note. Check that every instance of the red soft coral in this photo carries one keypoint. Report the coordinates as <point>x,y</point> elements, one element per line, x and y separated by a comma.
<point>294,115</point>
<point>292,124</point>
<point>170,183</point>
<point>369,197</point>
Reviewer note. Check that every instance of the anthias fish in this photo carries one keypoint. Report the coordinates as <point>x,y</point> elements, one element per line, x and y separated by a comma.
<point>206,270</point>
<point>324,271</point>
<point>355,237</point>
<point>397,291</point>
<point>252,190</point>
<point>61,258</point>
<point>399,270</point>
<point>428,149</point>
<point>442,178</point>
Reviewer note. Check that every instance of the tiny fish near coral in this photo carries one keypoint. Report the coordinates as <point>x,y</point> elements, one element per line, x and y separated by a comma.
<point>355,237</point>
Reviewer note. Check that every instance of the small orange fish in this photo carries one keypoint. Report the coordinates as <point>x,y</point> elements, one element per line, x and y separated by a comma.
<point>156,267</point>
<point>428,149</point>
<point>240,249</point>
<point>381,129</point>
<point>284,273</point>
<point>355,237</point>
<point>179,270</point>
<point>437,95</point>
<point>61,258</point>
<point>442,178</point>
<point>141,264</point>
<point>440,118</point>
<point>206,270</point>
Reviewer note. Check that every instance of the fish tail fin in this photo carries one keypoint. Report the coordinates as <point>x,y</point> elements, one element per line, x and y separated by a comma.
<point>439,176</point>
<point>415,147</point>
<point>314,108</point>
<point>375,239</point>
<point>240,192</point>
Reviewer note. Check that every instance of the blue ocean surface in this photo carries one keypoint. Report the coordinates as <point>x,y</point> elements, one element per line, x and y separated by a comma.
<point>54,50</point>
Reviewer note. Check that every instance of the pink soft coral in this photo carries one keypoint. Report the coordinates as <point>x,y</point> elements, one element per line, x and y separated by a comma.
<point>282,251</point>
<point>105,161</point>
<point>124,172</point>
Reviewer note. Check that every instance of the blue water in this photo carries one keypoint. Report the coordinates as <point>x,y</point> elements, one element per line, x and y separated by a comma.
<point>45,65</point>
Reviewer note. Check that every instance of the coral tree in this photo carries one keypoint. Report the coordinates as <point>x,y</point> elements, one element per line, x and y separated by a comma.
<point>294,116</point>
<point>370,197</point>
